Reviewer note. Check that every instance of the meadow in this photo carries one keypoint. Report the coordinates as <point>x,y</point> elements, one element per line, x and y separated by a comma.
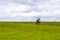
<point>29,31</point>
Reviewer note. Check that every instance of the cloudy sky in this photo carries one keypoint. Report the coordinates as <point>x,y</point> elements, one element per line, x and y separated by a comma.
<point>29,10</point>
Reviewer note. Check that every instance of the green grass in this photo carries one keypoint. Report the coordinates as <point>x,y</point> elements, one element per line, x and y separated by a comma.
<point>29,31</point>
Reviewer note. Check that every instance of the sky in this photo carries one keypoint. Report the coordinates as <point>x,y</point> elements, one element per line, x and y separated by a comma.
<point>29,10</point>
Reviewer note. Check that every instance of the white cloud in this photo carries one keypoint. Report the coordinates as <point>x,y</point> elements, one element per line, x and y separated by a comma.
<point>29,9</point>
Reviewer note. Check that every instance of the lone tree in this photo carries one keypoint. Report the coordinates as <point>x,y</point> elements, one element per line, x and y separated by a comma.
<point>37,20</point>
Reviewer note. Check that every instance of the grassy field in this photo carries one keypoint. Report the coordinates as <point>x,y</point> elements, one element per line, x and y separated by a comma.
<point>29,31</point>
